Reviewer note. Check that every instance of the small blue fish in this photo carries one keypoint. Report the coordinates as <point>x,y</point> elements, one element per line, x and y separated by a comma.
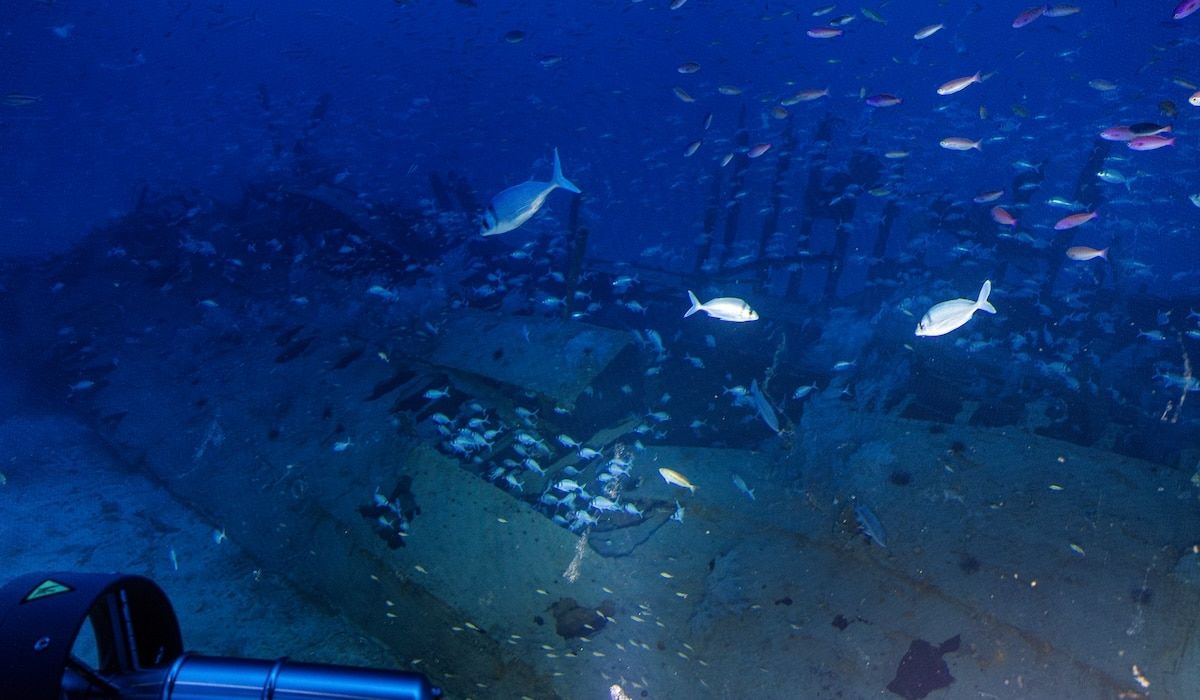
<point>870,525</point>
<point>515,205</point>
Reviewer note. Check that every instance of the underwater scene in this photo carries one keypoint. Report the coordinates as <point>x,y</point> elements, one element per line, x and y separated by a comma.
<point>606,349</point>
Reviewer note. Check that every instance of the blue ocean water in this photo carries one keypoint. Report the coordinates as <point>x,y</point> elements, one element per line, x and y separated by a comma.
<point>242,249</point>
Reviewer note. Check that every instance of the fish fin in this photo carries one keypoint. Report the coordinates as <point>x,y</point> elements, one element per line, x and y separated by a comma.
<point>1104,253</point>
<point>559,179</point>
<point>982,302</point>
<point>696,305</point>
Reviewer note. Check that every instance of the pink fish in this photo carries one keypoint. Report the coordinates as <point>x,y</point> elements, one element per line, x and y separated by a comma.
<point>885,100</point>
<point>1194,100</point>
<point>1074,220</point>
<point>1118,133</point>
<point>1001,216</point>
<point>1186,8</point>
<point>1082,252</point>
<point>1128,133</point>
<point>1152,142</point>
<point>758,150</point>
<point>959,84</point>
<point>1028,16</point>
<point>824,33</point>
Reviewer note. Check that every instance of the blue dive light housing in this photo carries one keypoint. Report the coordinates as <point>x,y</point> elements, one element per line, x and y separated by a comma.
<point>135,651</point>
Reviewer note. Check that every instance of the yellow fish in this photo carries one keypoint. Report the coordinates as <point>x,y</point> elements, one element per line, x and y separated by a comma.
<point>676,479</point>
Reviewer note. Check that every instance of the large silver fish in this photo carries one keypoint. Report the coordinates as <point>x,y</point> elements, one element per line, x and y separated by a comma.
<point>724,308</point>
<point>513,207</point>
<point>949,315</point>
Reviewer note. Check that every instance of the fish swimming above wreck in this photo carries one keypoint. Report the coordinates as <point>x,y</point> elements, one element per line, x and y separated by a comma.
<point>723,308</point>
<point>517,204</point>
<point>674,478</point>
<point>951,315</point>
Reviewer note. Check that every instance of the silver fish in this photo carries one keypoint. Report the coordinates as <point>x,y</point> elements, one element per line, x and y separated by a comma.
<point>803,391</point>
<point>515,205</point>
<point>949,315</point>
<point>724,308</point>
<point>1115,177</point>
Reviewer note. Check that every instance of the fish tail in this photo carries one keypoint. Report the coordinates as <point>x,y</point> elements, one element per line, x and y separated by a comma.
<point>982,302</point>
<point>695,304</point>
<point>1104,254</point>
<point>560,179</point>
